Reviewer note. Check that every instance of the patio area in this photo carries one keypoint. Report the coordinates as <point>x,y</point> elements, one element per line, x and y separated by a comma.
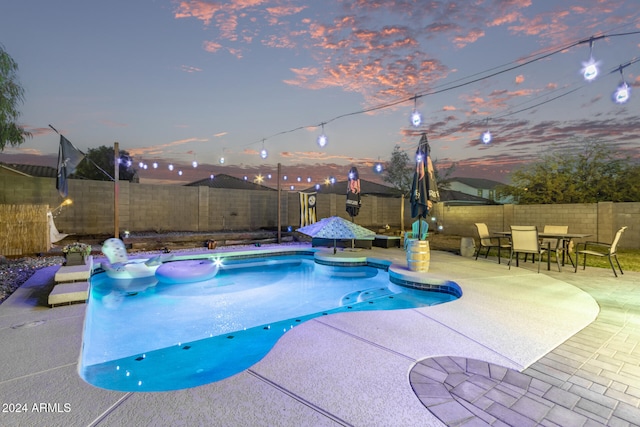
<point>519,348</point>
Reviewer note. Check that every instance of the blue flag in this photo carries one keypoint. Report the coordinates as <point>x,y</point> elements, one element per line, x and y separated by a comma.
<point>68,159</point>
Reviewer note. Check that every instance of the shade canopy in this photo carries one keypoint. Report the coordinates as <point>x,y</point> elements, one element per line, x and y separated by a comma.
<point>337,228</point>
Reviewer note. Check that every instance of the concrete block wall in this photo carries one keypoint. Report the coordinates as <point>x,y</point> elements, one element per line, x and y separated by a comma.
<point>144,207</point>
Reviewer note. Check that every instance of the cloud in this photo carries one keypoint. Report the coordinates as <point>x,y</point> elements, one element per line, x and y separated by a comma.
<point>190,69</point>
<point>519,79</point>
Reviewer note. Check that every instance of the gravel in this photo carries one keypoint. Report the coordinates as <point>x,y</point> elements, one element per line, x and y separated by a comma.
<point>13,273</point>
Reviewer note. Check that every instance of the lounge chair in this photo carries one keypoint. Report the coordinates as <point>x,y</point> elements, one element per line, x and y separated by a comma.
<point>612,252</point>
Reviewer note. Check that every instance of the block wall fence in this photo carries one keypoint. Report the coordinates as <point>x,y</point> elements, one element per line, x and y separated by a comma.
<point>162,208</point>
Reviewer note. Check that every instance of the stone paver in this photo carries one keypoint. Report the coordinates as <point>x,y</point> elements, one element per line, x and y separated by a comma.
<point>591,379</point>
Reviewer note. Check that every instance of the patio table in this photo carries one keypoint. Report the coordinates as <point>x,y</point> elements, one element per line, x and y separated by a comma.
<point>566,239</point>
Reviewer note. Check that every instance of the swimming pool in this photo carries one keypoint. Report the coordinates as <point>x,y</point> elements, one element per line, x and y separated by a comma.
<point>145,335</point>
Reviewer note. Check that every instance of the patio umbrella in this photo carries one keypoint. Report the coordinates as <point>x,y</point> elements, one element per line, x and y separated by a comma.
<point>424,189</point>
<point>337,228</point>
<point>353,193</point>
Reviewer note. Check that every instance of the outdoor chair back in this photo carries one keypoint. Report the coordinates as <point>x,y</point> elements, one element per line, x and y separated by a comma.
<point>419,231</point>
<point>488,242</point>
<point>524,239</point>
<point>611,252</point>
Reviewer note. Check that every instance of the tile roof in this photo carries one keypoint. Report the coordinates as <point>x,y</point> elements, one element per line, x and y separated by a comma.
<point>228,181</point>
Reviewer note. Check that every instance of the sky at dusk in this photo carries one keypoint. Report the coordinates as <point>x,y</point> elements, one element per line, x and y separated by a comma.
<point>178,81</point>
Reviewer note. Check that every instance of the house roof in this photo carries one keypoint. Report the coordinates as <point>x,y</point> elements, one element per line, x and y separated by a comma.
<point>453,197</point>
<point>366,187</point>
<point>30,170</point>
<point>230,182</point>
<point>482,183</point>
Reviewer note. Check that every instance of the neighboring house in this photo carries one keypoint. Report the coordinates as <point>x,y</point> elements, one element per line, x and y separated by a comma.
<point>366,188</point>
<point>28,170</point>
<point>227,181</point>
<point>479,187</point>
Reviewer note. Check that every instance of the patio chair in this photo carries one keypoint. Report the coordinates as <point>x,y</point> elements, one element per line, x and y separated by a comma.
<point>524,239</point>
<point>612,252</point>
<point>559,246</point>
<point>488,242</point>
<point>419,229</point>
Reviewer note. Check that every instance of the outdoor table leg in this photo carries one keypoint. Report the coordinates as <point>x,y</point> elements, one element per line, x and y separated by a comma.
<point>548,256</point>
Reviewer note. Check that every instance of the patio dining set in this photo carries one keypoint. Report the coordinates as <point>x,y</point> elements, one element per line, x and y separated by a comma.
<point>527,240</point>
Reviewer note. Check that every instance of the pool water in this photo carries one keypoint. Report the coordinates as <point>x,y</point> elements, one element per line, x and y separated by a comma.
<point>145,335</point>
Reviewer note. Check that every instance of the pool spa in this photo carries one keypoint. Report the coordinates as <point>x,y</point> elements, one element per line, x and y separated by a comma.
<point>147,334</point>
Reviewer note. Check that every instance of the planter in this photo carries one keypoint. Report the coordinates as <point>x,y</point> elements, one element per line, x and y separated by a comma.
<point>74,258</point>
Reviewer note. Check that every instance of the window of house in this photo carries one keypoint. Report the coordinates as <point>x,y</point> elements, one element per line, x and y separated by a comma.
<point>479,192</point>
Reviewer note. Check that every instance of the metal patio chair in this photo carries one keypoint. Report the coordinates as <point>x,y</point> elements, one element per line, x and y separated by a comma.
<point>612,252</point>
<point>524,239</point>
<point>488,242</point>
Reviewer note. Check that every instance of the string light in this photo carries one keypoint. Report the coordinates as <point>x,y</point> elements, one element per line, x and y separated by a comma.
<point>155,165</point>
<point>263,152</point>
<point>322,139</point>
<point>170,167</point>
<point>590,68</point>
<point>623,92</point>
<point>416,117</point>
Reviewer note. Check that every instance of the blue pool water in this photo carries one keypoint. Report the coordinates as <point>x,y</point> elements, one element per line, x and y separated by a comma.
<point>145,335</point>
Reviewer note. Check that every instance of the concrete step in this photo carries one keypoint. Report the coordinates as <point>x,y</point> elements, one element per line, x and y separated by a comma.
<point>73,273</point>
<point>67,293</point>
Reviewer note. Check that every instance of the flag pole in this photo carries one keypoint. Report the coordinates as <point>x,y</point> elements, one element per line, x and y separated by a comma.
<point>116,174</point>
<point>279,206</point>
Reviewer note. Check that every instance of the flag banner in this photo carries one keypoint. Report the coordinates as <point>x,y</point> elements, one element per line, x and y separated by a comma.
<point>353,193</point>
<point>307,209</point>
<point>68,159</point>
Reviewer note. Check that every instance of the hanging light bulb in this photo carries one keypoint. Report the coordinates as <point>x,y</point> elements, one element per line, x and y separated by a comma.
<point>416,117</point>
<point>322,139</point>
<point>155,165</point>
<point>170,167</point>
<point>140,164</point>
<point>268,176</point>
<point>378,168</point>
<point>486,137</point>
<point>590,68</point>
<point>623,92</point>
<point>194,164</point>
<point>263,152</point>
<point>180,173</point>
<point>221,160</point>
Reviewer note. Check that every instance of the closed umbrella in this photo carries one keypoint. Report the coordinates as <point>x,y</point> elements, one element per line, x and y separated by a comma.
<point>424,189</point>
<point>353,193</point>
<point>337,228</point>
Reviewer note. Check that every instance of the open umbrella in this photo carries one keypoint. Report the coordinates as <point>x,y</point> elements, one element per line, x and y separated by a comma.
<point>353,193</point>
<point>337,228</point>
<point>424,189</point>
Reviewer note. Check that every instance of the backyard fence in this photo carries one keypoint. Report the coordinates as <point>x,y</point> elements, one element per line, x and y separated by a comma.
<point>164,208</point>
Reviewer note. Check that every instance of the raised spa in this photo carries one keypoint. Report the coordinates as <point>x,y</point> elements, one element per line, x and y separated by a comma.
<point>149,335</point>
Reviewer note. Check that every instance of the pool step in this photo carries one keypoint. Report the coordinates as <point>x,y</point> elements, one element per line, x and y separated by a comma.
<point>71,284</point>
<point>68,293</point>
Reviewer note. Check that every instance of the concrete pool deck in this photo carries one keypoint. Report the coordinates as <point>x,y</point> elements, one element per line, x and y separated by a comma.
<point>570,343</point>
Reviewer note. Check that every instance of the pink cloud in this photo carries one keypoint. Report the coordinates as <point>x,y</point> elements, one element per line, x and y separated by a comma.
<point>519,79</point>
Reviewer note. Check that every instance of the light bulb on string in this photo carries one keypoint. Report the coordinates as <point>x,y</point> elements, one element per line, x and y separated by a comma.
<point>377,168</point>
<point>194,164</point>
<point>623,92</point>
<point>221,159</point>
<point>416,117</point>
<point>590,68</point>
<point>486,137</point>
<point>180,172</point>
<point>170,167</point>
<point>263,152</point>
<point>155,165</point>
<point>322,139</point>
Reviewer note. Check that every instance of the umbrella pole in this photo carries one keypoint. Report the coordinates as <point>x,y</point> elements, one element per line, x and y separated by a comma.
<point>334,246</point>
